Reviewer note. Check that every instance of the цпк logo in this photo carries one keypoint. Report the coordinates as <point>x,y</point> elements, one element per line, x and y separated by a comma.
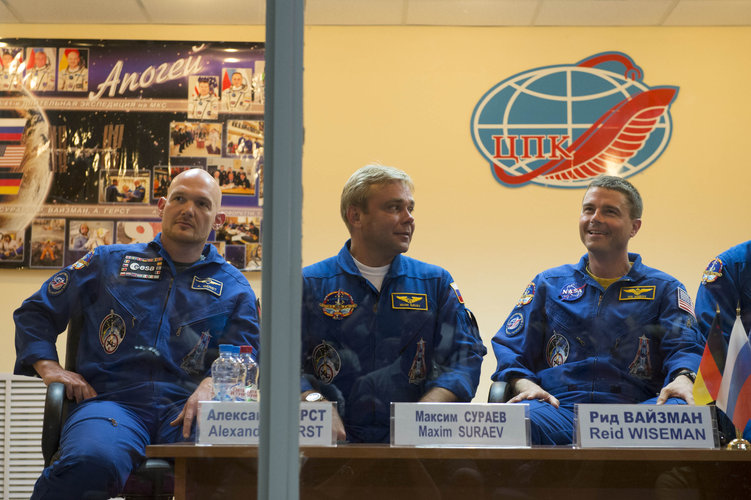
<point>560,126</point>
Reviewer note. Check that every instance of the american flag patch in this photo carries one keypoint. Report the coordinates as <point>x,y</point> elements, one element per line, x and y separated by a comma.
<point>684,302</point>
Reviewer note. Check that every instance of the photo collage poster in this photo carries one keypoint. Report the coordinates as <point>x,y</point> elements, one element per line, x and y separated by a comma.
<point>92,132</point>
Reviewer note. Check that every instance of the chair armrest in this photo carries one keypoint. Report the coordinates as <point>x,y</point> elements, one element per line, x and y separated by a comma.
<point>53,420</point>
<point>500,392</point>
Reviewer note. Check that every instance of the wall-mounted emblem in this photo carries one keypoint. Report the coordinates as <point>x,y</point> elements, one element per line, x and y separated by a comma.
<point>560,126</point>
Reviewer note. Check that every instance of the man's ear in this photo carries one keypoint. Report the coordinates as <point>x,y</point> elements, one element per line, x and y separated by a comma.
<point>635,226</point>
<point>353,215</point>
<point>219,220</point>
<point>160,205</point>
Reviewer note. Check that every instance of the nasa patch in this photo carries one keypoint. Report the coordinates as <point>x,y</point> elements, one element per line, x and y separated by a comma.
<point>111,332</point>
<point>712,272</point>
<point>514,324</point>
<point>527,295</point>
<point>149,268</point>
<point>208,284</point>
<point>58,283</point>
<point>557,350</point>
<point>326,362</point>
<point>572,292</point>
<point>338,305</point>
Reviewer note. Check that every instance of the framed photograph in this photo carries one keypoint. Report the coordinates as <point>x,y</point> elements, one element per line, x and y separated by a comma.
<point>124,187</point>
<point>47,242</point>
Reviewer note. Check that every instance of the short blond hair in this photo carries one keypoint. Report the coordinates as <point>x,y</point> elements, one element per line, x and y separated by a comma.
<point>357,188</point>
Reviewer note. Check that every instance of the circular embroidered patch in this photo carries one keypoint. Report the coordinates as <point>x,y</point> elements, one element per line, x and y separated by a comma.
<point>572,291</point>
<point>338,305</point>
<point>514,324</point>
<point>58,283</point>
<point>326,362</point>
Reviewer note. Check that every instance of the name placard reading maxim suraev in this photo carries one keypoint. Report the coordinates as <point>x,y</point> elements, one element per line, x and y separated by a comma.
<point>459,424</point>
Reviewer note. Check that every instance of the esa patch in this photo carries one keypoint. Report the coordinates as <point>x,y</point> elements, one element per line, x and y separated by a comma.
<point>58,283</point>
<point>149,268</point>
<point>208,284</point>
<point>83,261</point>
<point>527,295</point>
<point>556,351</point>
<point>572,292</point>
<point>111,332</point>
<point>414,301</point>
<point>326,362</point>
<point>712,272</point>
<point>637,293</point>
<point>457,292</point>
<point>514,324</point>
<point>338,305</point>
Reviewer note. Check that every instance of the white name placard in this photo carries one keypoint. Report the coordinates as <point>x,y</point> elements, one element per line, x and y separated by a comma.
<point>230,422</point>
<point>645,426</point>
<point>459,424</point>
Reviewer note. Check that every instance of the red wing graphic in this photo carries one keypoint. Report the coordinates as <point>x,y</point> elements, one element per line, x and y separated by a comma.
<point>614,139</point>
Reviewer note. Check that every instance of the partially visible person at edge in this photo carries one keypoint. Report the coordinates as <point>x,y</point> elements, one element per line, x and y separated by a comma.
<point>726,283</point>
<point>153,317</point>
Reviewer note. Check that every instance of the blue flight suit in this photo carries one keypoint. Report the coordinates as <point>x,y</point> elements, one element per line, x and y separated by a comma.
<point>583,344</point>
<point>726,282</point>
<point>150,333</point>
<point>365,349</point>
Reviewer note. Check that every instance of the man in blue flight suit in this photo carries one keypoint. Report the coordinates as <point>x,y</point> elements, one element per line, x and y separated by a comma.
<point>606,330</point>
<point>378,326</point>
<point>153,317</point>
<point>726,283</point>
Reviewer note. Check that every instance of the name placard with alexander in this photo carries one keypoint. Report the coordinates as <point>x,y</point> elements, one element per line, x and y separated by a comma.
<point>237,422</point>
<point>645,426</point>
<point>459,424</point>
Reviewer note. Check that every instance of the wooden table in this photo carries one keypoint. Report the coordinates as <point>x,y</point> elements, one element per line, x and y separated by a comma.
<point>362,472</point>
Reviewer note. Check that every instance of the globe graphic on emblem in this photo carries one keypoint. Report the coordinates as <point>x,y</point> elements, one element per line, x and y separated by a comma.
<point>526,125</point>
<point>25,160</point>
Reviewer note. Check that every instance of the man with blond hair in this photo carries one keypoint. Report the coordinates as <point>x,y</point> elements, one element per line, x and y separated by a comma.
<point>377,326</point>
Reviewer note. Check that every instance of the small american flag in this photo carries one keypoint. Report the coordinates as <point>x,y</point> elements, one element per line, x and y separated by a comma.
<point>684,301</point>
<point>11,156</point>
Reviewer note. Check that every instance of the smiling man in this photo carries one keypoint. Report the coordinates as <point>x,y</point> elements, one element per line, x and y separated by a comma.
<point>378,326</point>
<point>606,330</point>
<point>153,316</point>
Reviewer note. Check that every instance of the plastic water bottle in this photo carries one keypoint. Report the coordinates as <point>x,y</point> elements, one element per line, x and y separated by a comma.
<point>225,374</point>
<point>251,373</point>
<point>237,392</point>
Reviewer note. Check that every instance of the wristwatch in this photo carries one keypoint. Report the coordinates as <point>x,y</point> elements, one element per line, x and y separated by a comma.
<point>313,397</point>
<point>691,375</point>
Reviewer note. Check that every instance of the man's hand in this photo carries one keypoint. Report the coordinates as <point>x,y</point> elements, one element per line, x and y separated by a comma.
<point>526,389</point>
<point>203,392</point>
<point>438,395</point>
<point>76,387</point>
<point>681,387</point>
<point>337,426</point>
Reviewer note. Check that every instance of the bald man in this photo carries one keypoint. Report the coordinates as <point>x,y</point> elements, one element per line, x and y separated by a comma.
<point>153,317</point>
